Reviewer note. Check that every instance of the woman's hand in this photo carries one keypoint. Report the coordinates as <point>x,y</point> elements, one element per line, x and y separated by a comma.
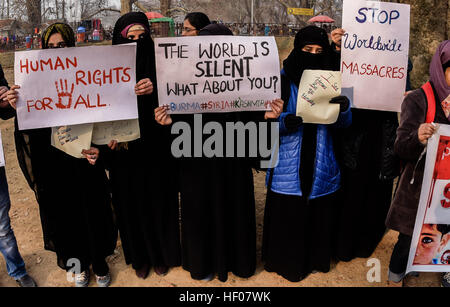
<point>336,37</point>
<point>144,87</point>
<point>113,144</point>
<point>162,117</point>
<point>277,108</point>
<point>342,101</point>
<point>3,97</point>
<point>425,132</point>
<point>292,122</point>
<point>12,95</point>
<point>91,154</point>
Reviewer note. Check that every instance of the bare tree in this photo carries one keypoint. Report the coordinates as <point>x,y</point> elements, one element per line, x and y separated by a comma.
<point>165,7</point>
<point>33,8</point>
<point>91,8</point>
<point>5,8</point>
<point>126,6</point>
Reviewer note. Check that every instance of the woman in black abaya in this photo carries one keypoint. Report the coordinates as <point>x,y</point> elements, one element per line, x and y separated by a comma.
<point>302,188</point>
<point>368,164</point>
<point>217,198</point>
<point>141,171</point>
<point>73,195</point>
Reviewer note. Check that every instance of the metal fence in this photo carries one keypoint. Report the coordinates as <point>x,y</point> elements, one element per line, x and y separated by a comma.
<point>262,29</point>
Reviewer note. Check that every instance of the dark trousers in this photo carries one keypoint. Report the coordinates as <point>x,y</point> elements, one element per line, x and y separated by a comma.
<point>400,254</point>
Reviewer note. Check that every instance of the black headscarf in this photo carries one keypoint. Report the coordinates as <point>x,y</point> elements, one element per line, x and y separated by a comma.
<point>64,29</point>
<point>198,20</point>
<point>145,55</point>
<point>215,29</point>
<point>300,60</point>
<point>145,65</point>
<point>39,136</point>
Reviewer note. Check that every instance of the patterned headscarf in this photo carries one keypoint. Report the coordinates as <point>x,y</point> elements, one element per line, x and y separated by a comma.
<point>437,75</point>
<point>64,29</point>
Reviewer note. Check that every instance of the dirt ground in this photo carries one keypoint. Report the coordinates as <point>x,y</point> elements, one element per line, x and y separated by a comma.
<point>41,264</point>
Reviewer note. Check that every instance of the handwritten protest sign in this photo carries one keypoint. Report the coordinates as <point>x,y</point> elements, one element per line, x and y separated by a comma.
<point>374,56</point>
<point>121,131</point>
<point>2,157</point>
<point>217,73</point>
<point>430,247</point>
<point>70,86</point>
<point>316,89</point>
<point>72,139</point>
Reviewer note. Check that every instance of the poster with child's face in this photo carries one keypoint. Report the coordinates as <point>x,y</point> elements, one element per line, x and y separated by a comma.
<point>430,247</point>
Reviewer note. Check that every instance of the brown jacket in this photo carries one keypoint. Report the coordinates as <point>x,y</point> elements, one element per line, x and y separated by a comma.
<point>403,210</point>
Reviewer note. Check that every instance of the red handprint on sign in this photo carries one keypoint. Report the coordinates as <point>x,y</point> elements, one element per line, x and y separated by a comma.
<point>64,95</point>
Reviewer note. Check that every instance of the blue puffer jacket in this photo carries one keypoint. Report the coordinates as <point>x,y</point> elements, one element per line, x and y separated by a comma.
<point>326,171</point>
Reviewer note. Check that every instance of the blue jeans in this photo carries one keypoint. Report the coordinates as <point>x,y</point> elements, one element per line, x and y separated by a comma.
<point>8,244</point>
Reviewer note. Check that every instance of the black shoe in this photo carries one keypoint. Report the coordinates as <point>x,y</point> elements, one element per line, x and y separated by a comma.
<point>26,281</point>
<point>161,270</point>
<point>143,271</point>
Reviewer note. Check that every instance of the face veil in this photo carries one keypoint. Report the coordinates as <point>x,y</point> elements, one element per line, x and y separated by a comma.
<point>145,55</point>
<point>299,60</point>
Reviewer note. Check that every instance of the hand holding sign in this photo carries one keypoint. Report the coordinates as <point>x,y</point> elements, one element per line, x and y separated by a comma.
<point>91,154</point>
<point>336,37</point>
<point>277,108</point>
<point>342,101</point>
<point>292,122</point>
<point>162,117</point>
<point>425,131</point>
<point>3,97</point>
<point>144,87</point>
<point>12,95</point>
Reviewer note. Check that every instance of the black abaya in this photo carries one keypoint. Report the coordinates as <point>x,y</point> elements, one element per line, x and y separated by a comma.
<point>142,173</point>
<point>218,218</point>
<point>218,209</point>
<point>74,201</point>
<point>365,196</point>
<point>73,196</point>
<point>298,235</point>
<point>146,205</point>
<point>298,231</point>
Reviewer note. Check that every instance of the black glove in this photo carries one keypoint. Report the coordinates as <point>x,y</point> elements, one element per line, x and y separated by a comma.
<point>292,122</point>
<point>342,101</point>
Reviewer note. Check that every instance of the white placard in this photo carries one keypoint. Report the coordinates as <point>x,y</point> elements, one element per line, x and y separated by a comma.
<point>120,131</point>
<point>70,86</point>
<point>430,245</point>
<point>2,156</point>
<point>316,89</point>
<point>217,73</point>
<point>374,61</point>
<point>72,139</point>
